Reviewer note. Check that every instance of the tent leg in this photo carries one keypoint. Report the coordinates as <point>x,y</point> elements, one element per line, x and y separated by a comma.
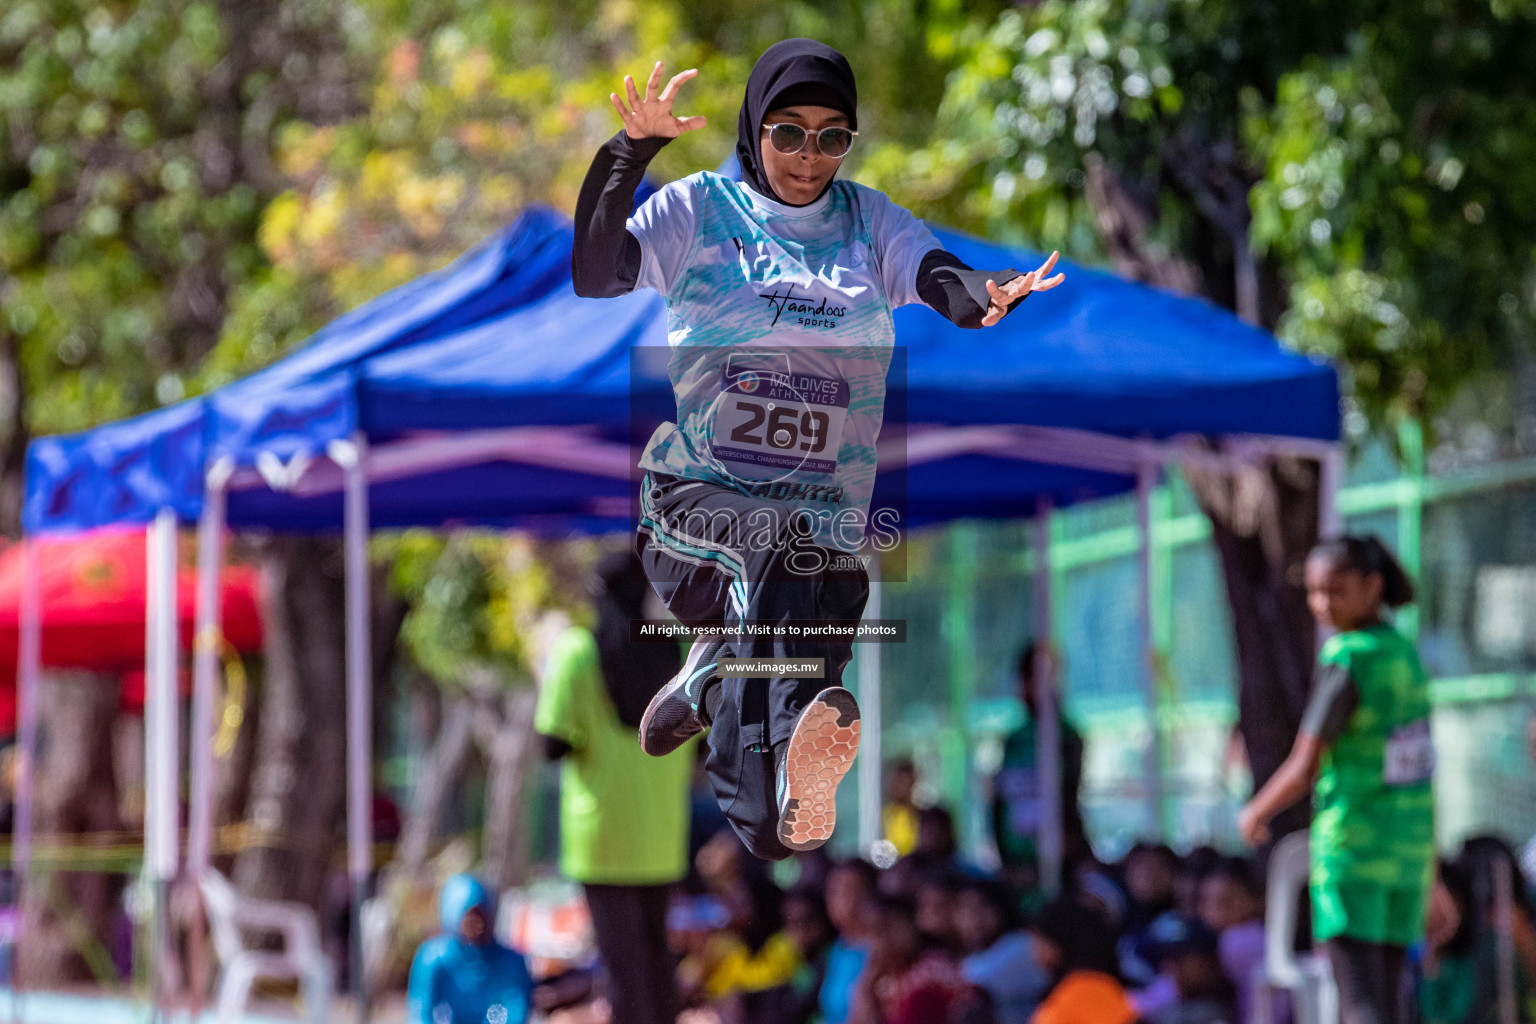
<point>359,706</point>
<point>1146,478</point>
<point>1330,520</point>
<point>871,766</point>
<point>210,559</point>
<point>1330,523</point>
<point>205,671</point>
<point>162,734</point>
<point>28,668</point>
<point>1048,724</point>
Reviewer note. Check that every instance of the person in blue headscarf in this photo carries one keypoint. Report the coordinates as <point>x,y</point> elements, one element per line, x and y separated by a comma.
<point>463,975</point>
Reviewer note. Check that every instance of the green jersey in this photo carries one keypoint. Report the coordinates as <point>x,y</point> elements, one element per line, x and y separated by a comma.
<point>1018,799</point>
<point>1374,821</point>
<point>623,813</point>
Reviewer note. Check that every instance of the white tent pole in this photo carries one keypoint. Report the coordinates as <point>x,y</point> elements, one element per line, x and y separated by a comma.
<point>1048,725</point>
<point>1146,478</point>
<point>359,700</point>
<point>28,668</point>
<point>205,668</point>
<point>1330,521</point>
<point>871,767</point>
<point>161,734</point>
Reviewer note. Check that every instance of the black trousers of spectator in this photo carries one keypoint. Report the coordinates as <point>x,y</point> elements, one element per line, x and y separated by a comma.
<point>717,558</point>
<point>1369,976</point>
<point>630,924</point>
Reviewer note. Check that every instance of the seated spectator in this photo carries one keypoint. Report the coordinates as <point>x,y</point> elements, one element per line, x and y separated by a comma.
<point>1076,949</point>
<point>807,926</point>
<point>1150,872</point>
<point>999,957</point>
<point>1482,859</point>
<point>908,980</point>
<point>936,895</point>
<point>1185,950</point>
<point>851,889</point>
<point>898,819</point>
<point>1193,868</point>
<point>1456,979</point>
<point>1232,905</point>
<point>750,955</point>
<point>463,975</point>
<point>1099,892</point>
<point>935,854</point>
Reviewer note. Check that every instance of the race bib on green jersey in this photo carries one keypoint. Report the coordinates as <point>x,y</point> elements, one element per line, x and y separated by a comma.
<point>1410,755</point>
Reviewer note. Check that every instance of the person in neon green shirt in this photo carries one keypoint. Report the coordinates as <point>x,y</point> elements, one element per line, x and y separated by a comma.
<point>1365,740</point>
<point>623,813</point>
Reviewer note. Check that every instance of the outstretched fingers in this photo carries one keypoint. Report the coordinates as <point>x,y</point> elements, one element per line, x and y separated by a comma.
<point>677,80</point>
<point>631,92</point>
<point>1050,282</point>
<point>652,82</point>
<point>618,105</point>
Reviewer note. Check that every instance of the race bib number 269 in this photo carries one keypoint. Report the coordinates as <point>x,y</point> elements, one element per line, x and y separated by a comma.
<point>769,423</point>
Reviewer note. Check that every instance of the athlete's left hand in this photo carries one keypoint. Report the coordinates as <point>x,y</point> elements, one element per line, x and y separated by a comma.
<point>1004,296</point>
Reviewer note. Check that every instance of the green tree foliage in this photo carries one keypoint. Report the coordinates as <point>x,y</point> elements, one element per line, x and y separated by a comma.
<point>475,598</point>
<point>134,165</point>
<point>1357,174</point>
<point>471,110</point>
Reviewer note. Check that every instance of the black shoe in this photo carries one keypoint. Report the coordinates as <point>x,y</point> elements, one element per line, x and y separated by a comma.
<point>674,714</point>
<point>819,753</point>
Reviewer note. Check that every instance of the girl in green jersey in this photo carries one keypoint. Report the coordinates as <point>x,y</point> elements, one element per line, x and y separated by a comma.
<point>1364,751</point>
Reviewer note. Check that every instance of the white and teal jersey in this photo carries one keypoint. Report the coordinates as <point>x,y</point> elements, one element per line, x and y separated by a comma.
<point>779,321</point>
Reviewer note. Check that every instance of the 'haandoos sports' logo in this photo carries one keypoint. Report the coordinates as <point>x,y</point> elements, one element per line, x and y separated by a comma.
<point>806,314</point>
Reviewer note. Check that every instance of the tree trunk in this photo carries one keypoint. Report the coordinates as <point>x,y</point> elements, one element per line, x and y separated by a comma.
<point>298,780</point>
<point>13,451</point>
<point>508,744</point>
<point>70,916</point>
<point>1266,521</point>
<point>437,778</point>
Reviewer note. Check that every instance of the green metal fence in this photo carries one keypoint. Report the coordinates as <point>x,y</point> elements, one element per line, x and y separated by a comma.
<point>1468,537</point>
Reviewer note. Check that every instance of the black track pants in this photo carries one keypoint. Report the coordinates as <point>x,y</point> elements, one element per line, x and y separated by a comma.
<point>717,558</point>
<point>630,925</point>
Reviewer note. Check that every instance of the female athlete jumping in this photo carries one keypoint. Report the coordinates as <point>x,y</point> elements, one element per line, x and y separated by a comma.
<point>779,293</point>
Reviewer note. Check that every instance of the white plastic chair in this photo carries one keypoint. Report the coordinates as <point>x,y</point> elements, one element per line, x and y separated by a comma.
<point>1308,977</point>
<point>300,958</point>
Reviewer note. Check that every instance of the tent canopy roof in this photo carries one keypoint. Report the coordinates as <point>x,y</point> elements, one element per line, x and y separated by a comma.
<point>472,362</point>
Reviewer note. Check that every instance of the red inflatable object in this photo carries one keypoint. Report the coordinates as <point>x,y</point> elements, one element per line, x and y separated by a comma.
<point>93,597</point>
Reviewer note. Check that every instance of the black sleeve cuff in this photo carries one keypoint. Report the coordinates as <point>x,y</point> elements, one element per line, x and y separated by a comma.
<point>957,292</point>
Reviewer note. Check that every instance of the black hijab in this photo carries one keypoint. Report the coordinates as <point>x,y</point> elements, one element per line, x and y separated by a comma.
<point>789,73</point>
<point>632,673</point>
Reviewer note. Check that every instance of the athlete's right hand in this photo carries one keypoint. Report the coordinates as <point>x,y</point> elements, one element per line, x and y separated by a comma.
<point>650,116</point>
<point>1253,829</point>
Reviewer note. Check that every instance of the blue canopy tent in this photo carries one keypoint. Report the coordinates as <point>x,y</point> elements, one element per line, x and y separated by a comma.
<point>489,393</point>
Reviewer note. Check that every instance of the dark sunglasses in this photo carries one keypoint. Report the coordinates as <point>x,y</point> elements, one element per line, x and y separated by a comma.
<point>790,139</point>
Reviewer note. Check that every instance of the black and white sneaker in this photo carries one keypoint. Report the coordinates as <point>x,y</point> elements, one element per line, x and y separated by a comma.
<point>675,714</point>
<point>819,753</point>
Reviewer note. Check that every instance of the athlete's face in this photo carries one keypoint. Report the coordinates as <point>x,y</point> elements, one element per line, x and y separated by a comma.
<point>798,178</point>
<point>1340,597</point>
